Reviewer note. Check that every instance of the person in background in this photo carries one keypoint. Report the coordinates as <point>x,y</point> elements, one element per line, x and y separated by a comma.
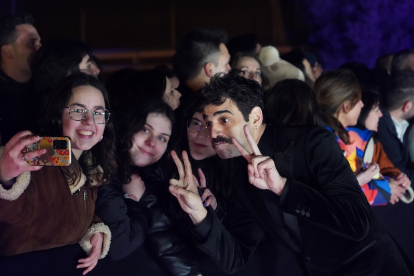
<point>403,60</point>
<point>199,55</point>
<point>250,67</point>
<point>385,62</point>
<point>314,63</point>
<point>393,128</point>
<point>131,87</point>
<point>19,40</point>
<point>54,61</point>
<point>298,58</point>
<point>246,43</point>
<point>291,102</point>
<point>338,94</point>
<point>378,189</point>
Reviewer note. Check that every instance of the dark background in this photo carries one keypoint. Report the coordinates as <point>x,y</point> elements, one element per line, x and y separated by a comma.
<point>143,33</point>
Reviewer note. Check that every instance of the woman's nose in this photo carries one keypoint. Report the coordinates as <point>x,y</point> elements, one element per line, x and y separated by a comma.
<point>150,141</point>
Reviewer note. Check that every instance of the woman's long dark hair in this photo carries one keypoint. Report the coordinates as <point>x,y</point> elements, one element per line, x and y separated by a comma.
<point>291,102</point>
<point>371,100</point>
<point>334,88</point>
<point>103,153</point>
<point>131,120</point>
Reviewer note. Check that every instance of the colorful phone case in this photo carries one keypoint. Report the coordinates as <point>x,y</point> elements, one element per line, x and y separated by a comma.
<point>57,153</point>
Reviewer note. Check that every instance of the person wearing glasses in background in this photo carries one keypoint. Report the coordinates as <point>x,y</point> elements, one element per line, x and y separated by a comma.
<point>49,207</point>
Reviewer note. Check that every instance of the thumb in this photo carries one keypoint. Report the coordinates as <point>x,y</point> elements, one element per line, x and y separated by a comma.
<point>93,240</point>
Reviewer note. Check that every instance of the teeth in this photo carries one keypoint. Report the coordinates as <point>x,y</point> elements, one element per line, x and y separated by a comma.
<point>85,132</point>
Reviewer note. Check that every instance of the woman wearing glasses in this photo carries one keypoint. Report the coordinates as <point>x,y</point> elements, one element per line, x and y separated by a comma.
<point>48,207</point>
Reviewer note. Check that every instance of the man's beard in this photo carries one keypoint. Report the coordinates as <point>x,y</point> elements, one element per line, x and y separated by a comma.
<point>225,153</point>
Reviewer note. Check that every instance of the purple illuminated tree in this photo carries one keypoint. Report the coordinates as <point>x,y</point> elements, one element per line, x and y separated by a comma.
<point>357,30</point>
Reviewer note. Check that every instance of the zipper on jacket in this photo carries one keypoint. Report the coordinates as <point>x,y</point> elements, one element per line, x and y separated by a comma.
<point>84,202</point>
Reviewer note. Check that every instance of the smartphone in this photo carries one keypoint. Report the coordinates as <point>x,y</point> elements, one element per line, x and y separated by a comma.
<point>58,152</point>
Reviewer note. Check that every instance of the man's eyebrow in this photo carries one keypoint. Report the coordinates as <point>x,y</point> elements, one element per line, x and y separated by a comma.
<point>221,112</point>
<point>205,117</point>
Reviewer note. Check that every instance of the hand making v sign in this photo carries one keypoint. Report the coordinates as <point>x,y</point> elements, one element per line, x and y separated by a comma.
<point>261,169</point>
<point>185,189</point>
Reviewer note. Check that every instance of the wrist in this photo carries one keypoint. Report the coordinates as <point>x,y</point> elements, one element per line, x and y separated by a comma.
<point>279,189</point>
<point>6,183</point>
<point>198,216</point>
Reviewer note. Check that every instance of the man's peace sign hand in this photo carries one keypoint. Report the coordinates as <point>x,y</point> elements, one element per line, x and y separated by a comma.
<point>261,169</point>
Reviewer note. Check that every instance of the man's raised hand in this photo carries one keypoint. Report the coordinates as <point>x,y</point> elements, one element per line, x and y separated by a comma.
<point>261,169</point>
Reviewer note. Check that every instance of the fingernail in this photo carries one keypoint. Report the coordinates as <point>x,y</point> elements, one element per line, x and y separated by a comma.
<point>205,204</point>
<point>202,199</point>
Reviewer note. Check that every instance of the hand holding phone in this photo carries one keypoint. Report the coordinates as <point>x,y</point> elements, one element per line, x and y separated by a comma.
<point>13,160</point>
<point>58,152</point>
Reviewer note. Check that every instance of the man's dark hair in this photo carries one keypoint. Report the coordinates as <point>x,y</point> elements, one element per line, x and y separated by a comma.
<point>8,34</point>
<point>196,48</point>
<point>245,93</point>
<point>399,62</point>
<point>400,89</point>
<point>55,60</point>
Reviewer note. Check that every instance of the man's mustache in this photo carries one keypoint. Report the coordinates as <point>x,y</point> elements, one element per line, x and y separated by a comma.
<point>220,139</point>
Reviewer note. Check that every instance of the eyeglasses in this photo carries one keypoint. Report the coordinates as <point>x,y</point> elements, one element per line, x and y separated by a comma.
<point>79,112</point>
<point>195,126</point>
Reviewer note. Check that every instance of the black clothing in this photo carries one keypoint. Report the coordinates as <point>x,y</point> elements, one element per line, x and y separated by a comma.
<point>133,223</point>
<point>396,151</point>
<point>322,216</point>
<point>127,219</point>
<point>63,260</point>
<point>188,98</point>
<point>16,107</point>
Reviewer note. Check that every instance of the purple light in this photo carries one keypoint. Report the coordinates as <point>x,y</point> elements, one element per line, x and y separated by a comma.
<point>357,30</point>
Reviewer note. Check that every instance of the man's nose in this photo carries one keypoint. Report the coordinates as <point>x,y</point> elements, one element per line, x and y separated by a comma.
<point>215,130</point>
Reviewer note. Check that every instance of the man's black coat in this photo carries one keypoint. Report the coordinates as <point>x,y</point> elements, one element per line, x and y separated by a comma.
<point>322,216</point>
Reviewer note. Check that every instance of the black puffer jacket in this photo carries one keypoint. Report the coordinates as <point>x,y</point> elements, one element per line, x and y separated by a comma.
<point>169,235</point>
<point>156,220</point>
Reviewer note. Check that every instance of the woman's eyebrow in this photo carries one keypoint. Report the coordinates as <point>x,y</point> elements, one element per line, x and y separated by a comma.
<point>95,107</point>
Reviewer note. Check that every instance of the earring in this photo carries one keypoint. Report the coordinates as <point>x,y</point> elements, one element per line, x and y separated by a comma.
<point>101,138</point>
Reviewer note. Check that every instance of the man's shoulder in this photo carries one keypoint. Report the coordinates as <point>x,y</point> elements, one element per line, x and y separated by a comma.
<point>301,132</point>
<point>282,137</point>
